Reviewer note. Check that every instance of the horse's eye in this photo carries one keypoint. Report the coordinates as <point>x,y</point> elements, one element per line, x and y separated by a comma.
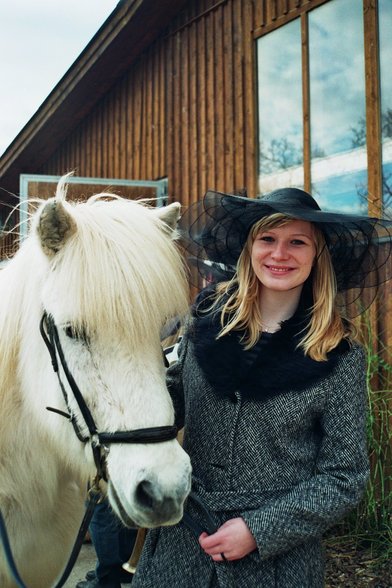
<point>73,333</point>
<point>70,332</point>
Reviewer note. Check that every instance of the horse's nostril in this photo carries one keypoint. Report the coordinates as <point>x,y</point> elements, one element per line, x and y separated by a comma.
<point>145,494</point>
<point>159,504</point>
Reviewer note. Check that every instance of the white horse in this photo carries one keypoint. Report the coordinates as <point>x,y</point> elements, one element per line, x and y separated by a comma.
<point>108,274</point>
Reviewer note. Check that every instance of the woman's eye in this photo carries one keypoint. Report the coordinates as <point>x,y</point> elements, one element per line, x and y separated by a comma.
<point>266,238</point>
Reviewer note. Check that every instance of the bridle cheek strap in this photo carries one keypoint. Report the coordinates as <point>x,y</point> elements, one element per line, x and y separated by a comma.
<point>99,441</point>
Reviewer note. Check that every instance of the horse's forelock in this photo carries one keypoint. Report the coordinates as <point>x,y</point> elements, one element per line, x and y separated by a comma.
<point>121,268</point>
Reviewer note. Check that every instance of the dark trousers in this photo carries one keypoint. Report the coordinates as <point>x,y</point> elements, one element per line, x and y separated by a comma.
<point>112,542</point>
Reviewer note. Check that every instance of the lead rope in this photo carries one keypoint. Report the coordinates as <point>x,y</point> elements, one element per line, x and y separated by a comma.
<point>224,570</point>
<point>94,497</point>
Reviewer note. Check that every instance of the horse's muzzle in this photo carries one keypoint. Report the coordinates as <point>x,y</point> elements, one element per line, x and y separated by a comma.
<point>152,505</point>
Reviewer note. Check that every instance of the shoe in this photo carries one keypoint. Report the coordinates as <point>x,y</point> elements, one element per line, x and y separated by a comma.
<point>125,577</point>
<point>92,581</point>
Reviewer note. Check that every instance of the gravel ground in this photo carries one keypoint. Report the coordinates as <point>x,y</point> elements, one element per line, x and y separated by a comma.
<point>348,567</point>
<point>84,563</point>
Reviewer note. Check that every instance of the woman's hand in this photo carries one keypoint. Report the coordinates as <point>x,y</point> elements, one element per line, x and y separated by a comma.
<point>233,539</point>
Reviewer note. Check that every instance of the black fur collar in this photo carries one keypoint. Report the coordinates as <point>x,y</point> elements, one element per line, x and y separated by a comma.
<point>272,366</point>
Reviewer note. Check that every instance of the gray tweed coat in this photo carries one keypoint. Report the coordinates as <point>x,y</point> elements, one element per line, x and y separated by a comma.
<point>291,463</point>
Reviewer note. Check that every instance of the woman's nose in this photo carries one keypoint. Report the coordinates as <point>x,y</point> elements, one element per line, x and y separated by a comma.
<point>280,251</point>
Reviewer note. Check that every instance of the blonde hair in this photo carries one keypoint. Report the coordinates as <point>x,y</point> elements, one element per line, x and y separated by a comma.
<point>240,311</point>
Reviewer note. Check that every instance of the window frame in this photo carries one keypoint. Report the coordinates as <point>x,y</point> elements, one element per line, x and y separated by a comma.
<point>160,187</point>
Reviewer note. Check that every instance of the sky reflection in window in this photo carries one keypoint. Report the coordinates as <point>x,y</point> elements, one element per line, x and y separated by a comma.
<point>280,104</point>
<point>337,111</point>
<point>337,106</point>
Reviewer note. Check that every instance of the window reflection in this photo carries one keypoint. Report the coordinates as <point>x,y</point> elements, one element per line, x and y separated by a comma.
<point>280,108</point>
<point>337,97</point>
<point>385,32</point>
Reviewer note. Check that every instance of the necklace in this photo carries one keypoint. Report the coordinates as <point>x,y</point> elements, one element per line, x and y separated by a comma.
<point>269,328</point>
<point>275,327</point>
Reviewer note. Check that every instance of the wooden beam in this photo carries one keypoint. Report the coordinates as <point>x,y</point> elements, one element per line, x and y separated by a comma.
<point>373,107</point>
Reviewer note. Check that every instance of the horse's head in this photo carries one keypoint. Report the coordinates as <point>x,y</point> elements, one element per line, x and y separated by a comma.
<point>109,278</point>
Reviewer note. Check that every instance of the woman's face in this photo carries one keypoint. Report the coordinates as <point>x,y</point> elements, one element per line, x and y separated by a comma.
<point>282,257</point>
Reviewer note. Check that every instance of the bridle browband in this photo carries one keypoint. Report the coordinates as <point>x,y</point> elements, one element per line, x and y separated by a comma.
<point>99,440</point>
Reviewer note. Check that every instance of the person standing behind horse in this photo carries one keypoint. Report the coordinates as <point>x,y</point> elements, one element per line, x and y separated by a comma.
<point>271,387</point>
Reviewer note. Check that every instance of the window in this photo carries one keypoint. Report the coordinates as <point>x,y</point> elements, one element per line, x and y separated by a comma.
<point>337,106</point>
<point>280,108</point>
<point>312,104</point>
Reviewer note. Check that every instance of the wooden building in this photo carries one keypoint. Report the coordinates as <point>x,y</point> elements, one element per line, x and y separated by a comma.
<point>234,95</point>
<point>228,94</point>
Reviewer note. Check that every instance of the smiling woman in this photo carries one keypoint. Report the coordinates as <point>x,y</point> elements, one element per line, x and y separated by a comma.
<point>274,422</point>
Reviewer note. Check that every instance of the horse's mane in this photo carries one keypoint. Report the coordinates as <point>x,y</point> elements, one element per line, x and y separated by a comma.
<point>119,271</point>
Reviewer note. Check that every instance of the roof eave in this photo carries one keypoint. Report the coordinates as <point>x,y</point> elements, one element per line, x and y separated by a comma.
<point>131,28</point>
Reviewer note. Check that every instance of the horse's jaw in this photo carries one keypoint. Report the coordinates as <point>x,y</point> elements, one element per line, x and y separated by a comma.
<point>153,497</point>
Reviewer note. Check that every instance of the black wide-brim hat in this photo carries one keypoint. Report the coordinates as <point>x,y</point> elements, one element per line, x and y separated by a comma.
<point>214,232</point>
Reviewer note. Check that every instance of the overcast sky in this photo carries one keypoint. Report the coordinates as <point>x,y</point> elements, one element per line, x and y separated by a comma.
<point>39,41</point>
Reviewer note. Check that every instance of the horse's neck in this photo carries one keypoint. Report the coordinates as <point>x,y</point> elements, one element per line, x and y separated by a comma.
<point>19,282</point>
<point>15,299</point>
<point>23,437</point>
<point>28,457</point>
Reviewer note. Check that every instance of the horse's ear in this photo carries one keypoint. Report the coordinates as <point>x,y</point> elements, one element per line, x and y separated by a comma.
<point>169,214</point>
<point>55,225</point>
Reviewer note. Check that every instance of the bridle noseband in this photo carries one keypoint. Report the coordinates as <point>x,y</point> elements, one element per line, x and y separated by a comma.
<point>99,441</point>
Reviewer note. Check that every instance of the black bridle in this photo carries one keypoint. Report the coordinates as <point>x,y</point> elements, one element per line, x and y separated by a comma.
<point>99,445</point>
<point>99,440</point>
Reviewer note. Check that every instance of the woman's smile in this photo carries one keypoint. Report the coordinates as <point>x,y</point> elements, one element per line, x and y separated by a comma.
<point>278,269</point>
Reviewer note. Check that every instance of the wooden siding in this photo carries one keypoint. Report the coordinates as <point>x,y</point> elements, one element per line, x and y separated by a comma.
<point>186,108</point>
<point>124,136</point>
